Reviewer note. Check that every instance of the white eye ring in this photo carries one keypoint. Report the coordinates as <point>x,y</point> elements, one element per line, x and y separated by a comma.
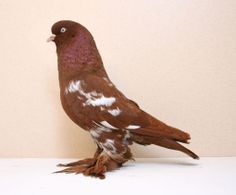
<point>63,29</point>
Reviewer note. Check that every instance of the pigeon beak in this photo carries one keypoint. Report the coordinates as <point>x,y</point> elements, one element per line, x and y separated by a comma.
<point>51,38</point>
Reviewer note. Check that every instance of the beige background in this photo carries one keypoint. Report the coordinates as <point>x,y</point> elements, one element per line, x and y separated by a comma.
<point>177,59</point>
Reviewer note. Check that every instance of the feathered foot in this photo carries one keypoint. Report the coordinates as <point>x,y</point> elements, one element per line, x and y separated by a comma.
<point>96,166</point>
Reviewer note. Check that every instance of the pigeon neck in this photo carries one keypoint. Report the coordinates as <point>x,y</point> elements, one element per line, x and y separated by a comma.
<point>79,55</point>
<point>75,62</point>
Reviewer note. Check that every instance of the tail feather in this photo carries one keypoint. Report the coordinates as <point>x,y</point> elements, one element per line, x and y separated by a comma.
<point>161,134</point>
<point>171,144</point>
<point>164,142</point>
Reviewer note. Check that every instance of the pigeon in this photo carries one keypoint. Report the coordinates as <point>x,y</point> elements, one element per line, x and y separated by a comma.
<point>93,102</point>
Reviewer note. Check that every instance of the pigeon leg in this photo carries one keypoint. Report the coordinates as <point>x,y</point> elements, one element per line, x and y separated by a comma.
<point>103,164</point>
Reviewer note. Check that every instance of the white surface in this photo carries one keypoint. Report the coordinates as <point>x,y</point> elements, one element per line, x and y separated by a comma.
<point>145,176</point>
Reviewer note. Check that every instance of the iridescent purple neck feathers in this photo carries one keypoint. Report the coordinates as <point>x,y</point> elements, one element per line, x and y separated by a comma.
<point>79,53</point>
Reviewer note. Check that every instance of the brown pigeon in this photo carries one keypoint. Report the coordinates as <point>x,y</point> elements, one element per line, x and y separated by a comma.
<point>94,103</point>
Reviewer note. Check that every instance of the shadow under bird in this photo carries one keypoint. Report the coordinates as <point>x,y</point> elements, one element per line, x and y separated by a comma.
<point>94,103</point>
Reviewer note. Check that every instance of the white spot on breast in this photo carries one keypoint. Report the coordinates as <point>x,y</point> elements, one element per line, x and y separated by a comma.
<point>108,125</point>
<point>114,112</point>
<point>133,127</point>
<point>72,87</point>
<point>101,101</point>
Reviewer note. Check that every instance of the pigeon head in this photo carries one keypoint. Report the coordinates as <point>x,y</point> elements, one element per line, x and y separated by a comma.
<point>75,45</point>
<point>67,31</point>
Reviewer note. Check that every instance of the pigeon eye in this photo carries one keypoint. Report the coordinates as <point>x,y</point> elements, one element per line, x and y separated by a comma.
<point>63,29</point>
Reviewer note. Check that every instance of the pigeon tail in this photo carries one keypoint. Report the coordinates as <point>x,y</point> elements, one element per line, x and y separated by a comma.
<point>168,139</point>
